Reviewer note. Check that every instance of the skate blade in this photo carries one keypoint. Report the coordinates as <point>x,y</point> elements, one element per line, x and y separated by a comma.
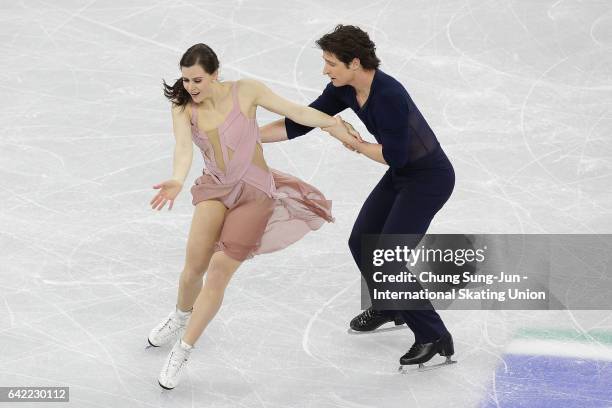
<point>150,345</point>
<point>422,367</point>
<point>164,388</point>
<point>378,330</point>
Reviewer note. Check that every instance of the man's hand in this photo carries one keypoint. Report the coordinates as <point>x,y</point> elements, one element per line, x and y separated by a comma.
<point>353,133</point>
<point>345,133</point>
<point>352,130</point>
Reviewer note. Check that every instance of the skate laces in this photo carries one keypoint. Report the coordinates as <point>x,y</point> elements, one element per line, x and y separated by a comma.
<point>167,325</point>
<point>173,323</point>
<point>178,358</point>
<point>177,362</point>
<point>367,315</point>
<point>415,347</point>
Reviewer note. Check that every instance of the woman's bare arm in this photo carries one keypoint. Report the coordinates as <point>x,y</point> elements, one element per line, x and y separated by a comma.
<point>183,148</point>
<point>304,115</point>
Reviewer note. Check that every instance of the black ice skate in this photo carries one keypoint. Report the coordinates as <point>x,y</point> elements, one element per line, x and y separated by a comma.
<point>371,319</point>
<point>420,353</point>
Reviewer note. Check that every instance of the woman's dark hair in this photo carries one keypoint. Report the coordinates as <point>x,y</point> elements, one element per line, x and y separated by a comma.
<point>347,42</point>
<point>200,54</point>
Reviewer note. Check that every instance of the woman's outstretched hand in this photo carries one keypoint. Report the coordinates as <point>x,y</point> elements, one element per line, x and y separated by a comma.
<point>168,190</point>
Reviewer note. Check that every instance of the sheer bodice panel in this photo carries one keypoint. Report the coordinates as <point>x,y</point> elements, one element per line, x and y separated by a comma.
<point>233,151</point>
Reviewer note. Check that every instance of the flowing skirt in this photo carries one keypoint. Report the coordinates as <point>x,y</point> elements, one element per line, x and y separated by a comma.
<point>258,222</point>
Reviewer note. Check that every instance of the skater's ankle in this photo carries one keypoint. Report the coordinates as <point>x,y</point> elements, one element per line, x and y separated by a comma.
<point>185,345</point>
<point>182,313</point>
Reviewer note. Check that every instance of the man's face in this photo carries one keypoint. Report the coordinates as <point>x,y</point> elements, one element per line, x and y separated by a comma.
<point>336,70</point>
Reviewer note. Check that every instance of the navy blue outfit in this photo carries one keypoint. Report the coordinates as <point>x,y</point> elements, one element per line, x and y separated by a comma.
<point>420,178</point>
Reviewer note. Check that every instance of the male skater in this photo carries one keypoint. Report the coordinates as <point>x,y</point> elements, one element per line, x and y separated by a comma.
<point>419,180</point>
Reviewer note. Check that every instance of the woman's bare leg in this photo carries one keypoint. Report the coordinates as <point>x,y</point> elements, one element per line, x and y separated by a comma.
<point>206,226</point>
<point>208,302</point>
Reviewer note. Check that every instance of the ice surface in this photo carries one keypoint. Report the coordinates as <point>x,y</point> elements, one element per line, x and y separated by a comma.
<point>519,94</point>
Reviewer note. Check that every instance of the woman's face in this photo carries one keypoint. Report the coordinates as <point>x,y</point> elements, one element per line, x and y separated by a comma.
<point>197,82</point>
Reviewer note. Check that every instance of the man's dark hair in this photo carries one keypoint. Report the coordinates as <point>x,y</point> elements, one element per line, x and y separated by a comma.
<point>347,42</point>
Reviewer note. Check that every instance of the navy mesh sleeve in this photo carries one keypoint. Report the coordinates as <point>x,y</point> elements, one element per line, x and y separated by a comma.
<point>327,102</point>
<point>396,134</point>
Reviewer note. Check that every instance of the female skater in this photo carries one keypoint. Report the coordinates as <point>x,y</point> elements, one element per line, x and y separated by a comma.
<point>242,207</point>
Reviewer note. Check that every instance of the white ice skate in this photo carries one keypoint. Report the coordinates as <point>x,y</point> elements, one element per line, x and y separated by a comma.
<point>169,329</point>
<point>170,375</point>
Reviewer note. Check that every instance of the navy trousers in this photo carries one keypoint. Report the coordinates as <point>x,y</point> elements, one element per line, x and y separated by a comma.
<point>404,202</point>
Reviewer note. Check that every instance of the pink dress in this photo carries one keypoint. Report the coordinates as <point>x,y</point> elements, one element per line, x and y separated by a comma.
<point>267,210</point>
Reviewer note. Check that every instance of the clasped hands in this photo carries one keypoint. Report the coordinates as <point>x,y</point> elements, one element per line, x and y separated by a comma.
<point>345,133</point>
